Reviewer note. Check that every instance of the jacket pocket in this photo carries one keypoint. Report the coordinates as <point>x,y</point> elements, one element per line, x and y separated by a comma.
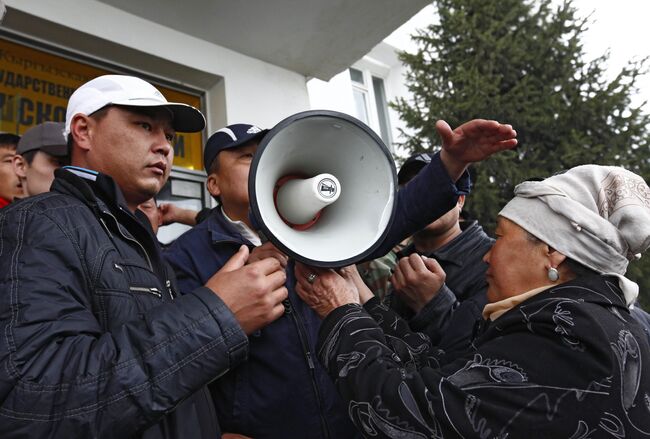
<point>132,290</point>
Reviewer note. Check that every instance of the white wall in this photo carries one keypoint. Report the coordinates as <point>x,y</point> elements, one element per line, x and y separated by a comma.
<point>336,94</point>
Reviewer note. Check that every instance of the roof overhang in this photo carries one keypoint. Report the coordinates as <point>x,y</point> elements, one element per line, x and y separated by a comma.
<point>316,38</point>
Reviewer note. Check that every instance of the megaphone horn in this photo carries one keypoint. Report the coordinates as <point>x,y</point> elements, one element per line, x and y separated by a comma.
<point>322,188</point>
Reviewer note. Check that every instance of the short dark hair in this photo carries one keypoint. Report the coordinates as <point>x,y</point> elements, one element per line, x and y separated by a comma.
<point>214,166</point>
<point>9,140</point>
<point>29,156</point>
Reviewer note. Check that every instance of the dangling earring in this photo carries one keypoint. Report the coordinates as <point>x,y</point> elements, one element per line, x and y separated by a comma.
<point>553,274</point>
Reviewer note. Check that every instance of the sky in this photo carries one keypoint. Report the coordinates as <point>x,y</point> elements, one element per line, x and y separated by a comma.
<point>620,26</point>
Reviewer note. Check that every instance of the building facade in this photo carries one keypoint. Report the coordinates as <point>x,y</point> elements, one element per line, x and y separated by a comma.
<point>237,61</point>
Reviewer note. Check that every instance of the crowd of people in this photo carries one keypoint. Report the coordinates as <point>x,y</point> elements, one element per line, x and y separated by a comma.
<point>106,333</point>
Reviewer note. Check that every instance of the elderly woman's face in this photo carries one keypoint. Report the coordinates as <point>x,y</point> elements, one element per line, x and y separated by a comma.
<point>516,263</point>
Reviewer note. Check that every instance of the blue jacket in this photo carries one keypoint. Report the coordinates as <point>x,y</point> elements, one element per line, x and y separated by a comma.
<point>95,341</point>
<point>282,391</point>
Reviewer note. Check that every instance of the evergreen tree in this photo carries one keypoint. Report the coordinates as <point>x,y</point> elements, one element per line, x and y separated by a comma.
<point>522,62</point>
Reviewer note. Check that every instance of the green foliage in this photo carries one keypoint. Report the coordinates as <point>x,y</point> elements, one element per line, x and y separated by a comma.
<point>522,62</point>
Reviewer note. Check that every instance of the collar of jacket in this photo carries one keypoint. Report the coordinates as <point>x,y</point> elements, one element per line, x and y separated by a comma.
<point>93,192</point>
<point>596,289</point>
<point>102,194</point>
<point>455,251</point>
<point>221,231</point>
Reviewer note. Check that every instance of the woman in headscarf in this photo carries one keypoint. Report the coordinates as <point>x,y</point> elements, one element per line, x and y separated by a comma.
<point>559,354</point>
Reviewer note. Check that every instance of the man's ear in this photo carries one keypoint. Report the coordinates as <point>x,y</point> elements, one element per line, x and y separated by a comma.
<point>19,164</point>
<point>81,130</point>
<point>212,183</point>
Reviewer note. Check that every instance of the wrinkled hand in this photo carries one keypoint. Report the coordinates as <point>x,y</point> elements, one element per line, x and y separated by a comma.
<point>472,142</point>
<point>328,291</point>
<point>253,292</point>
<point>171,213</point>
<point>417,279</point>
<point>351,274</point>
<point>268,250</point>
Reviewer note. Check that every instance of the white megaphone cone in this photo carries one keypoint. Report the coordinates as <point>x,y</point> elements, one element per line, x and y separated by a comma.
<point>299,201</point>
<point>322,188</point>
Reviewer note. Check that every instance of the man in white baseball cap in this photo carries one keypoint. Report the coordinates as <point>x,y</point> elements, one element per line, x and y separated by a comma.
<point>99,342</point>
<point>129,91</point>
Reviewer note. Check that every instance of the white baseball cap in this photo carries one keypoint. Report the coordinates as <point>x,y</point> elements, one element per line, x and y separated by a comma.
<point>133,92</point>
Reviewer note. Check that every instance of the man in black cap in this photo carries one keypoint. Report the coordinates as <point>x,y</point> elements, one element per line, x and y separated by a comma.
<point>40,151</point>
<point>412,166</point>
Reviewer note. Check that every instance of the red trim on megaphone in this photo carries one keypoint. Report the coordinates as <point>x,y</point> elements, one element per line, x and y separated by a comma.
<point>277,187</point>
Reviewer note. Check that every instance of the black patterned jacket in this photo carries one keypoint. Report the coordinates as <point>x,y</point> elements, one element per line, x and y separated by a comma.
<point>569,362</point>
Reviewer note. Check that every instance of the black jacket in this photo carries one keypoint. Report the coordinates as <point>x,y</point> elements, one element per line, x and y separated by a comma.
<point>568,362</point>
<point>95,341</point>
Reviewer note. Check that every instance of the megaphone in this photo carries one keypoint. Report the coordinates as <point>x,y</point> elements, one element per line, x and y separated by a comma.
<point>322,188</point>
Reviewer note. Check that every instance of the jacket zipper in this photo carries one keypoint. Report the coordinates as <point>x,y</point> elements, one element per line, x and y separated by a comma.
<point>152,290</point>
<point>155,291</point>
<point>117,224</point>
<point>168,284</point>
<point>289,309</point>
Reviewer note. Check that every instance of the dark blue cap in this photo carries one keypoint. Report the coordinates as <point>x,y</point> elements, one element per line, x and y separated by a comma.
<point>228,137</point>
<point>412,166</point>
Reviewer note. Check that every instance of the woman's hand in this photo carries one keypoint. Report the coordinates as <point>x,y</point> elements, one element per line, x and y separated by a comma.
<point>324,290</point>
<point>352,274</point>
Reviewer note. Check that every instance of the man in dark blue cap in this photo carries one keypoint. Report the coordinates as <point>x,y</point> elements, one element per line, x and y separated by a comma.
<point>258,399</point>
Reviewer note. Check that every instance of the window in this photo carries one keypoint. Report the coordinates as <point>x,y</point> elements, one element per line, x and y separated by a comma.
<point>382,109</point>
<point>360,95</point>
<point>371,105</point>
